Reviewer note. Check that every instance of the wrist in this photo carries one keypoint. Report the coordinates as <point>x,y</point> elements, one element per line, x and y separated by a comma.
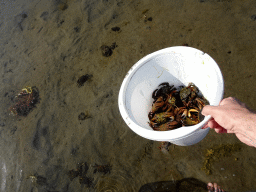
<point>249,128</point>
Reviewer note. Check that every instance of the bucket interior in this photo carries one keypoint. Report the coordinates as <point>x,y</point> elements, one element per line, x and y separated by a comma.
<point>177,68</point>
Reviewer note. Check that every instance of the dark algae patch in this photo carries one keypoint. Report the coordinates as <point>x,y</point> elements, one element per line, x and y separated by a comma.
<point>115,28</point>
<point>83,79</point>
<point>150,19</point>
<point>218,153</point>
<point>80,172</point>
<point>83,116</point>
<point>107,50</point>
<point>145,11</point>
<point>72,174</point>
<point>38,180</point>
<point>102,168</point>
<point>63,6</point>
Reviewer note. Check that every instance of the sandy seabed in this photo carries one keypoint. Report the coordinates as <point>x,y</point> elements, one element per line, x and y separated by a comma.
<point>58,145</point>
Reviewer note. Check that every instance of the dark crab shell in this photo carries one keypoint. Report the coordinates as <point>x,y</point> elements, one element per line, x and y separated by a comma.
<point>191,90</point>
<point>184,93</point>
<point>164,90</point>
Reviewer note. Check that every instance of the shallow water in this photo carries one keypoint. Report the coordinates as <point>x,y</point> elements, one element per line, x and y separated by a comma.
<point>51,44</point>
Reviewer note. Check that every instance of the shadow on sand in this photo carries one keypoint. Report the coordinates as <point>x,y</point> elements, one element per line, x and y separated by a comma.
<point>183,185</point>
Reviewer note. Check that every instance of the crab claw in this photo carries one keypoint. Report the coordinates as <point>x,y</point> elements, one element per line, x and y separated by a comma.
<point>167,126</point>
<point>152,124</point>
<point>158,104</point>
<point>151,115</point>
<point>201,102</point>
<point>192,110</point>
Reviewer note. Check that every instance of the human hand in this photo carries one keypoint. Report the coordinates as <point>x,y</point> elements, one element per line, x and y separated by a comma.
<point>233,116</point>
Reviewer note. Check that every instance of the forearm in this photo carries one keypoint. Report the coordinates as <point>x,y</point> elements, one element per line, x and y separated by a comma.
<point>248,128</point>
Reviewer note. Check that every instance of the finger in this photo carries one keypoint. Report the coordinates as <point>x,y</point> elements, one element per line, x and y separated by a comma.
<point>213,124</point>
<point>229,131</point>
<point>210,110</point>
<point>206,125</point>
<point>228,100</point>
<point>220,130</point>
<point>233,100</point>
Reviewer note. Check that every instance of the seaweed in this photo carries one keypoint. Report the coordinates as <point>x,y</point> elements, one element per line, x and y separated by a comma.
<point>107,50</point>
<point>216,153</point>
<point>25,101</point>
<point>83,79</point>
<point>81,171</point>
<point>102,168</point>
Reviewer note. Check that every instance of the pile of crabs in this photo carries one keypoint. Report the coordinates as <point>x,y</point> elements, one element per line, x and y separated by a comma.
<point>173,108</point>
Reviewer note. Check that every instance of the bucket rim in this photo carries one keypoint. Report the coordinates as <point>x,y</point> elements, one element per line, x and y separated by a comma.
<point>171,134</point>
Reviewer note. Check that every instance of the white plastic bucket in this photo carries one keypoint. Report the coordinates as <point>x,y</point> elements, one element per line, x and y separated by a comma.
<point>177,66</point>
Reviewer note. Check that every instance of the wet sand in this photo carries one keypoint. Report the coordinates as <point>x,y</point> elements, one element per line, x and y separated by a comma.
<point>51,44</point>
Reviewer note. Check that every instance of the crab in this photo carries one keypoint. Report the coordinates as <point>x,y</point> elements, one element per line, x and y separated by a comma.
<point>25,101</point>
<point>167,126</point>
<point>192,118</point>
<point>174,108</point>
<point>156,106</point>
<point>162,117</point>
<point>201,102</point>
<point>153,125</point>
<point>189,92</point>
<point>170,102</point>
<point>164,90</point>
<point>25,91</point>
<point>187,112</point>
<point>186,115</point>
<point>194,91</point>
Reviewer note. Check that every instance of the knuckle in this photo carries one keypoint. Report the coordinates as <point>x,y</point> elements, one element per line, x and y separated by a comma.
<point>231,98</point>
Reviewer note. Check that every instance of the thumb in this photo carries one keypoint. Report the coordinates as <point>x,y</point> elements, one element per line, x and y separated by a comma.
<point>209,110</point>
